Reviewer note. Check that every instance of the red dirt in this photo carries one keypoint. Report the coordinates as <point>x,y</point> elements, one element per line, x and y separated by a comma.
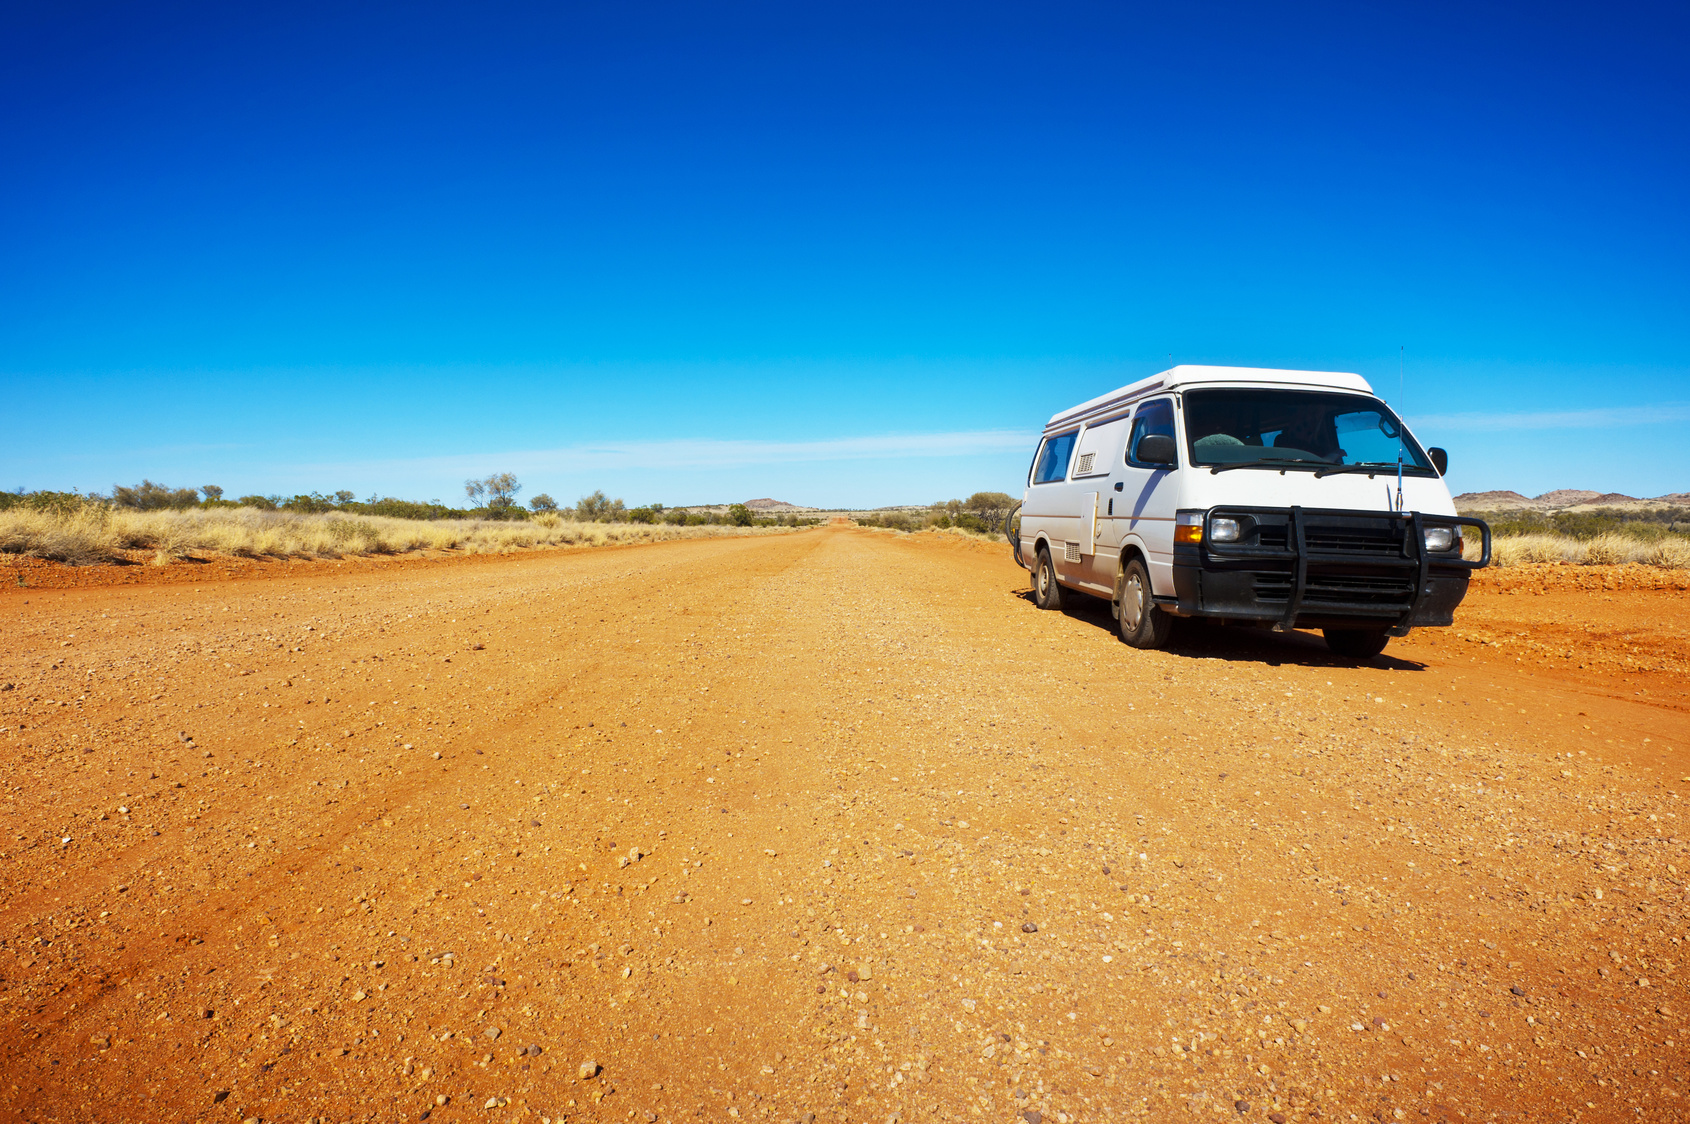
<point>907,848</point>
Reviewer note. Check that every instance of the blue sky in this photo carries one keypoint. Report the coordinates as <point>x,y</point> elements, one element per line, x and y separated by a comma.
<point>836,254</point>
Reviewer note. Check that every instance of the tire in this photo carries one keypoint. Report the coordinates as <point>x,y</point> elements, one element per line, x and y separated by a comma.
<point>1356,643</point>
<point>1047,594</point>
<point>1143,623</point>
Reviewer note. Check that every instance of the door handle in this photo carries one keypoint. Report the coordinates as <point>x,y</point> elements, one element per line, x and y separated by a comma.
<point>1119,484</point>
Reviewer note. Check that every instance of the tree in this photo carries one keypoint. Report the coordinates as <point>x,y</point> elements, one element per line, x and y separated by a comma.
<point>212,492</point>
<point>543,502</point>
<point>740,515</point>
<point>597,509</point>
<point>344,496</point>
<point>989,506</point>
<point>499,491</point>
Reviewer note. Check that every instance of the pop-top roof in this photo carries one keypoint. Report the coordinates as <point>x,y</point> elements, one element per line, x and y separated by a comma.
<point>1186,375</point>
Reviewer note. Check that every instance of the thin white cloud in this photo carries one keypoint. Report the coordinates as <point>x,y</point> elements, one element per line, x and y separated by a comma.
<point>1603,417</point>
<point>700,454</point>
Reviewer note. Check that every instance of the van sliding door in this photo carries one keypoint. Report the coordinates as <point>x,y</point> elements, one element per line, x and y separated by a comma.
<point>1098,453</point>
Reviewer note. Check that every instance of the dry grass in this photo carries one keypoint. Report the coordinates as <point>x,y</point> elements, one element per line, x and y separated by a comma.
<point>95,533</point>
<point>1671,552</point>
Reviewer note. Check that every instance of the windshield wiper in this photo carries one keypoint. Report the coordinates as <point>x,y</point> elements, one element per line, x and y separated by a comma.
<point>1265,462</point>
<point>1370,469</point>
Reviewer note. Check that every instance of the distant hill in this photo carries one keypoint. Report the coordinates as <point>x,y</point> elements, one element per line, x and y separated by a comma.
<point>1561,499</point>
<point>1566,497</point>
<point>767,504</point>
<point>1491,501</point>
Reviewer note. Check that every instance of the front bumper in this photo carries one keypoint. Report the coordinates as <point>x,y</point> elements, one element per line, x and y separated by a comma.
<point>1317,568</point>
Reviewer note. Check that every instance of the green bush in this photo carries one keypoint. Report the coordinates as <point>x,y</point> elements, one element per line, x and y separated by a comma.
<point>147,496</point>
<point>61,503</point>
<point>740,515</point>
<point>262,503</point>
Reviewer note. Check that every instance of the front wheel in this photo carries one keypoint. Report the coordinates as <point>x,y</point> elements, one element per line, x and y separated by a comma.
<point>1356,643</point>
<point>1143,623</point>
<point>1047,594</point>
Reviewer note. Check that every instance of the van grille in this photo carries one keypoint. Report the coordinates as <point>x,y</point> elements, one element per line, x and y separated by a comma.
<point>1382,540</point>
<point>1383,591</point>
<point>1085,464</point>
<point>1071,552</point>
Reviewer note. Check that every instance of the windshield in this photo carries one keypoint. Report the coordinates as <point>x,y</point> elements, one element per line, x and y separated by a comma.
<point>1298,427</point>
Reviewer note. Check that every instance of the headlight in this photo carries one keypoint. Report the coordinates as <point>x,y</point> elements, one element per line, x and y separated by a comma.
<point>1222,529</point>
<point>1440,539</point>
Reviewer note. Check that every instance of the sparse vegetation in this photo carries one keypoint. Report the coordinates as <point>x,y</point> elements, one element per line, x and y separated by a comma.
<point>1598,536</point>
<point>66,527</point>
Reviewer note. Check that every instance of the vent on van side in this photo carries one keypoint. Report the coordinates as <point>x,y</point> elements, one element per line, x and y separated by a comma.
<point>1072,552</point>
<point>1084,467</point>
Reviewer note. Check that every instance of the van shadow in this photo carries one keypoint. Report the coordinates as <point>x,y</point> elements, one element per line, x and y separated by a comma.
<point>1207,640</point>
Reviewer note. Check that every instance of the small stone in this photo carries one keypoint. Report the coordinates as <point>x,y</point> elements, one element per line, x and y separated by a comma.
<point>220,1096</point>
<point>463,807</point>
<point>1517,990</point>
<point>534,1050</point>
<point>441,1099</point>
<point>852,975</point>
<point>1029,927</point>
<point>491,1032</point>
<point>1241,1107</point>
<point>589,1068</point>
<point>1033,1116</point>
<point>1277,1117</point>
<point>492,1102</point>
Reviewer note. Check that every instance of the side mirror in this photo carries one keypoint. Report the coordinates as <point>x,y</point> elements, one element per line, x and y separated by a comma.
<point>1157,448</point>
<point>1440,460</point>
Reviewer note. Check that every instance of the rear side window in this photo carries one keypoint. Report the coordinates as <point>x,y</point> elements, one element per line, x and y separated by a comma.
<point>1096,455</point>
<point>1152,418</point>
<point>1052,464</point>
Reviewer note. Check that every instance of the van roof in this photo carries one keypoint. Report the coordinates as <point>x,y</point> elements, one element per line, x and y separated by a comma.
<point>1187,374</point>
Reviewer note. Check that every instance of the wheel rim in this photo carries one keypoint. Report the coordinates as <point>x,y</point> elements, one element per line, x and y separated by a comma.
<point>1044,576</point>
<point>1132,603</point>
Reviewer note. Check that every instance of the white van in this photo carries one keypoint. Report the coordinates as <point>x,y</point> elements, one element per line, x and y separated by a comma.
<point>1288,499</point>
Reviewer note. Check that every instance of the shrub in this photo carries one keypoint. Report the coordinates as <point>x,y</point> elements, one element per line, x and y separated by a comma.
<point>147,496</point>
<point>262,503</point>
<point>543,502</point>
<point>740,515</point>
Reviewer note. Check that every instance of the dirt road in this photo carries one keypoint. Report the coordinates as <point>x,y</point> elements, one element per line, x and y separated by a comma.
<point>832,824</point>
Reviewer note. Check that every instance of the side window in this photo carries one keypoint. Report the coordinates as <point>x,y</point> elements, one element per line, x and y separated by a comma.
<point>1052,464</point>
<point>1096,454</point>
<point>1153,418</point>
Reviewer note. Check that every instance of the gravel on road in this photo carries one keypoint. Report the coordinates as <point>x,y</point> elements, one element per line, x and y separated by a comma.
<point>834,826</point>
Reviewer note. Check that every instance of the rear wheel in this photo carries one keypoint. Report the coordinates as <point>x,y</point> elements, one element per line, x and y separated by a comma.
<point>1143,623</point>
<point>1047,594</point>
<point>1356,643</point>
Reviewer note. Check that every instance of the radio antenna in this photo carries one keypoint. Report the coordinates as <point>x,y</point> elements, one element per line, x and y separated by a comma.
<point>1400,436</point>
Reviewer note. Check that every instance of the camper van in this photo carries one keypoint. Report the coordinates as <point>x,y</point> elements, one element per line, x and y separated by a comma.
<point>1278,499</point>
